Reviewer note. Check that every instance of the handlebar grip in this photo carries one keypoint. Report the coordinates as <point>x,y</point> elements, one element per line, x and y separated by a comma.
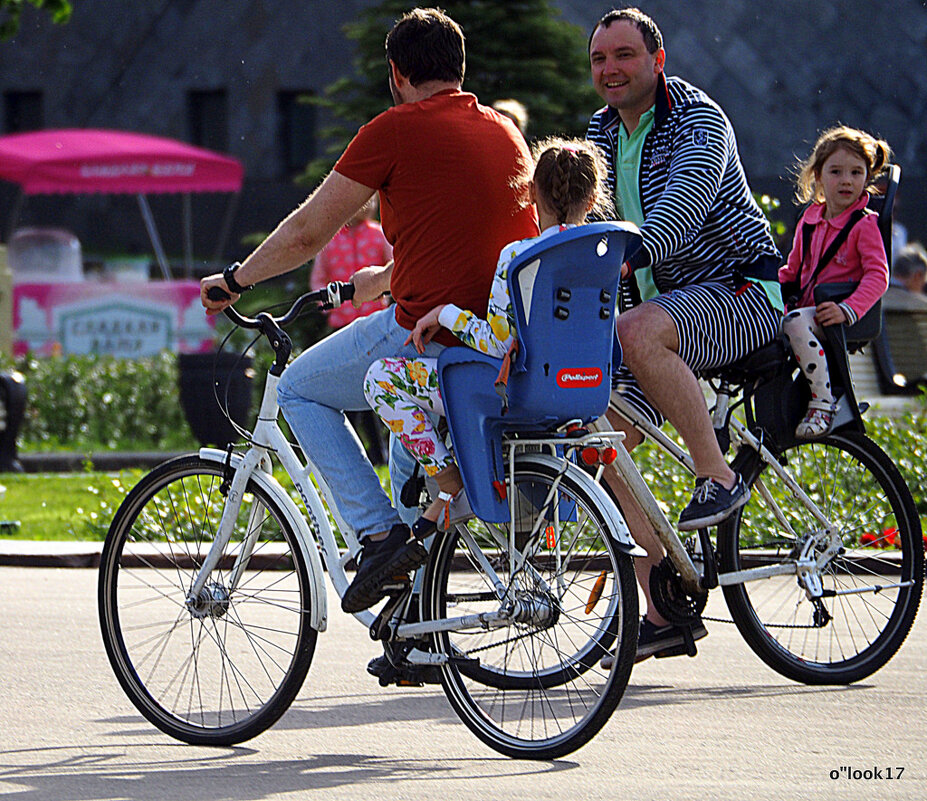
<point>338,293</point>
<point>217,293</point>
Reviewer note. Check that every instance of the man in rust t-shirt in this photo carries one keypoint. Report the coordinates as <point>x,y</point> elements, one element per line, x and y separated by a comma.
<point>443,168</point>
<point>452,179</point>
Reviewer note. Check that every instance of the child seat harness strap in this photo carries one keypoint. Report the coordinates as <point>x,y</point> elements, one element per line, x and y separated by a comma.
<point>831,251</point>
<point>502,380</point>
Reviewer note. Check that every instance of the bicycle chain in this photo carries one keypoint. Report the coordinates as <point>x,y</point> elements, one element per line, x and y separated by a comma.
<point>500,642</point>
<point>709,619</point>
<point>765,625</point>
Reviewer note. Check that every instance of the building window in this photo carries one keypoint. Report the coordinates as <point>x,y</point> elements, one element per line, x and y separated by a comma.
<point>22,111</point>
<point>297,130</point>
<point>208,117</point>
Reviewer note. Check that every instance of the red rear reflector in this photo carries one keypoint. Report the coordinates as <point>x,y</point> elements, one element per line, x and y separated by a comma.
<point>589,455</point>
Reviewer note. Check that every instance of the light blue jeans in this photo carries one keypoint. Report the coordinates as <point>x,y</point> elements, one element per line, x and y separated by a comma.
<point>314,392</point>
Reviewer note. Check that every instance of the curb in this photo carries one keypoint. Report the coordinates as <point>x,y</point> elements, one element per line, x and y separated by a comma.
<point>28,553</point>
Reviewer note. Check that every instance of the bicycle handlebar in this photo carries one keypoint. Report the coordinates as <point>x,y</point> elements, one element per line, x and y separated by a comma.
<point>330,296</point>
<point>271,327</point>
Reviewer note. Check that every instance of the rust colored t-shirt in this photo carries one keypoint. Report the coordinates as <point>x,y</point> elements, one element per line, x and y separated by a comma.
<point>451,177</point>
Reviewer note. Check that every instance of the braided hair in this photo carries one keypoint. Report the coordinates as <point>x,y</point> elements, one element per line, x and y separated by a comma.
<point>569,177</point>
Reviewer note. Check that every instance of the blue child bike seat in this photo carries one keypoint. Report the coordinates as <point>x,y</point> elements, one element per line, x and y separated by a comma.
<point>563,292</point>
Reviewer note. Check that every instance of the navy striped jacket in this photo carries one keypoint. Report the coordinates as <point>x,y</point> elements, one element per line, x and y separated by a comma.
<point>701,222</point>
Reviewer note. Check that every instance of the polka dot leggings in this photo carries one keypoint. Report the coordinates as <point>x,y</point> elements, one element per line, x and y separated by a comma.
<point>804,336</point>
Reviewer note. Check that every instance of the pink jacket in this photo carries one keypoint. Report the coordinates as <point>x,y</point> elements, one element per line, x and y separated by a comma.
<point>861,258</point>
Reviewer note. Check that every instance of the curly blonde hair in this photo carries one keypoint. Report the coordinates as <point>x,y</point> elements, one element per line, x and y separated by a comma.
<point>874,153</point>
<point>569,175</point>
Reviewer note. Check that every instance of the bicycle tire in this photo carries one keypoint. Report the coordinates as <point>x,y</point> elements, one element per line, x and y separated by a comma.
<point>857,487</point>
<point>538,691</point>
<point>226,670</point>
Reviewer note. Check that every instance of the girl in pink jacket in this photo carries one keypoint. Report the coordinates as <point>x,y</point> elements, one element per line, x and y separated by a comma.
<point>835,177</point>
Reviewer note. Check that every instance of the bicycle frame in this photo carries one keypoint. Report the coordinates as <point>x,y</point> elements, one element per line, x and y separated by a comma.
<point>827,536</point>
<point>317,538</point>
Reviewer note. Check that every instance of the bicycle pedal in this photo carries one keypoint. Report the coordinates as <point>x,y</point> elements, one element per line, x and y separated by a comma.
<point>676,650</point>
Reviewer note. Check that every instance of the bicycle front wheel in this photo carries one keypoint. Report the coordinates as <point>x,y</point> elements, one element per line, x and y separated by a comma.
<point>871,587</point>
<point>532,687</point>
<point>225,668</point>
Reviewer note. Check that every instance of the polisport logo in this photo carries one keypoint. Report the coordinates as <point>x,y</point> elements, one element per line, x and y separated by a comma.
<point>579,377</point>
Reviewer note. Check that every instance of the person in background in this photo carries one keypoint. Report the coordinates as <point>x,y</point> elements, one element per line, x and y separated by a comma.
<point>360,243</point>
<point>515,111</point>
<point>835,178</point>
<point>909,269</point>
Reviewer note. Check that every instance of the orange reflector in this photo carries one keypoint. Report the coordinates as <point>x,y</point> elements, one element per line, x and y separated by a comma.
<point>609,455</point>
<point>551,537</point>
<point>596,592</point>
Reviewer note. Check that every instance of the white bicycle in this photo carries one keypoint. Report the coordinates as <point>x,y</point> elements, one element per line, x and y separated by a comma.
<point>212,595</point>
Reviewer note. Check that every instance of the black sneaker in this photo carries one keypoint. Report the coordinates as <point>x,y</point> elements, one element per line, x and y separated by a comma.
<point>711,503</point>
<point>660,641</point>
<point>379,563</point>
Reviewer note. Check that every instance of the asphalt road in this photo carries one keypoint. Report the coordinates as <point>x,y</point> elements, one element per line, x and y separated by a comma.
<point>720,726</point>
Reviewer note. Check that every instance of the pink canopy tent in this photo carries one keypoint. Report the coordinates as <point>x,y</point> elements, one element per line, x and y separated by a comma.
<point>83,161</point>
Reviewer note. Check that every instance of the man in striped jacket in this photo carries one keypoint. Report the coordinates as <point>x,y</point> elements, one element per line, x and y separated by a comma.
<point>701,291</point>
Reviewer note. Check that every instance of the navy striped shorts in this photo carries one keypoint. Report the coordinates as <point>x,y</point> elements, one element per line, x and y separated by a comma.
<point>715,327</point>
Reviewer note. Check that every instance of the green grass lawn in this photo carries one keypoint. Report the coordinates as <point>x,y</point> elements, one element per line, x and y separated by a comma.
<point>56,506</point>
<point>80,506</point>
<point>74,506</point>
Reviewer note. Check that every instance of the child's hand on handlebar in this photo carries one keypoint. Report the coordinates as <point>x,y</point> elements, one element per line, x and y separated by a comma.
<point>829,313</point>
<point>425,329</point>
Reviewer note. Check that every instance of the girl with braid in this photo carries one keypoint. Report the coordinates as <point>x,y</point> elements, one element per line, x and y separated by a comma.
<point>568,183</point>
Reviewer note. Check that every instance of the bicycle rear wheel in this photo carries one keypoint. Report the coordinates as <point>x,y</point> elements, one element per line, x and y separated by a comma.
<point>225,669</point>
<point>871,593</point>
<point>534,688</point>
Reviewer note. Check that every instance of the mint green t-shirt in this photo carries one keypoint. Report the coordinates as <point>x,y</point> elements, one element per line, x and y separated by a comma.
<point>628,151</point>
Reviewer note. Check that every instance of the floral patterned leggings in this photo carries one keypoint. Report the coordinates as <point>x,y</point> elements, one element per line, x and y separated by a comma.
<point>400,391</point>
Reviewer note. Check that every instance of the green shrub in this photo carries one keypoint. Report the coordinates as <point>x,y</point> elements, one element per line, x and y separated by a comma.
<point>94,402</point>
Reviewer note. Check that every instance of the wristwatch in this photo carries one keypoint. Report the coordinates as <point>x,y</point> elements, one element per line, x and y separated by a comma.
<point>229,275</point>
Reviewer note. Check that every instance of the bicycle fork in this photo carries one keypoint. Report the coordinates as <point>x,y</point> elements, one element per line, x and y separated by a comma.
<point>236,491</point>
